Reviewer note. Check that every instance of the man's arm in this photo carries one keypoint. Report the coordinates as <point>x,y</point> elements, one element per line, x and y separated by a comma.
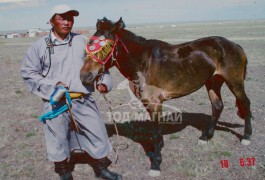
<point>31,71</point>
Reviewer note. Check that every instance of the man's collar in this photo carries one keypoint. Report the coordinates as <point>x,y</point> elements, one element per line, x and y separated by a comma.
<point>55,40</point>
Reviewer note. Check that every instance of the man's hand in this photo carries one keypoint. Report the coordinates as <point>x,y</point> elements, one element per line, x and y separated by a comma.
<point>102,88</point>
<point>58,93</point>
<point>61,84</point>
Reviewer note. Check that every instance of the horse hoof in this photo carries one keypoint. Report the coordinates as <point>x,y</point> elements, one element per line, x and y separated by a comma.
<point>154,173</point>
<point>245,142</point>
<point>201,142</point>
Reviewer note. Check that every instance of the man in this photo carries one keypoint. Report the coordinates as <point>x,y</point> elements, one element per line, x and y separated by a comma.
<point>55,61</point>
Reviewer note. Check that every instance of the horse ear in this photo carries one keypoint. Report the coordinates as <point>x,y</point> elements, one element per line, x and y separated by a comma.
<point>121,23</point>
<point>118,25</point>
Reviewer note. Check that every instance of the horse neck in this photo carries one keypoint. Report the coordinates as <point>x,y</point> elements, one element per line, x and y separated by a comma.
<point>129,62</point>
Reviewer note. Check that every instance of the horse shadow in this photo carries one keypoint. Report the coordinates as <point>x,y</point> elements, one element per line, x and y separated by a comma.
<point>141,131</point>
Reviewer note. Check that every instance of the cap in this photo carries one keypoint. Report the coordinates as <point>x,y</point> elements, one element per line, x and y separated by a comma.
<point>63,8</point>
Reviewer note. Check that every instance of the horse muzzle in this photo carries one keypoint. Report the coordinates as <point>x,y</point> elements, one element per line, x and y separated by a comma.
<point>87,78</point>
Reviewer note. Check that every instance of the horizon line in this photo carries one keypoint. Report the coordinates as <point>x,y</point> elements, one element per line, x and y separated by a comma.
<point>140,24</point>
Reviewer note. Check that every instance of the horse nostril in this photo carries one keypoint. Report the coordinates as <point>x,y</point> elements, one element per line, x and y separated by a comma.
<point>89,76</point>
<point>86,77</point>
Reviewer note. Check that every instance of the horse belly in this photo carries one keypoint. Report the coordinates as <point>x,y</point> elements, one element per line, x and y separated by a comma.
<point>182,80</point>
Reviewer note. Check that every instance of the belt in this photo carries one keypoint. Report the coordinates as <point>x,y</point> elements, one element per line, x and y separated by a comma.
<point>76,95</point>
<point>73,95</point>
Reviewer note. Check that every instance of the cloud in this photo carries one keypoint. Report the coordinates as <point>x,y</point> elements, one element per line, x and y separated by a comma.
<point>14,4</point>
<point>10,1</point>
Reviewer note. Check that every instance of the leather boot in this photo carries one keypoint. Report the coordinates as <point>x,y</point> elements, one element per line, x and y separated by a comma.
<point>64,170</point>
<point>100,167</point>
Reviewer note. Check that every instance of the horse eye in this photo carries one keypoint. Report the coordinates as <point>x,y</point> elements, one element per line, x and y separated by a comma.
<point>90,41</point>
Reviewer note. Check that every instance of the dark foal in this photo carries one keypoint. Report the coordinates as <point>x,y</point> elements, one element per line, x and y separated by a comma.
<point>164,71</point>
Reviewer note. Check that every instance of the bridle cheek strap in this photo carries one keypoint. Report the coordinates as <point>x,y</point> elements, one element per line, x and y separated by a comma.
<point>122,44</point>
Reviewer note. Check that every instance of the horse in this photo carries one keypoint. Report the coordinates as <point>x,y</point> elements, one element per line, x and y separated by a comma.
<point>158,71</point>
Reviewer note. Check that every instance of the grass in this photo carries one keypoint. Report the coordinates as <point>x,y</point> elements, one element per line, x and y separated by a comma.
<point>174,136</point>
<point>1,42</point>
<point>24,154</point>
<point>18,92</point>
<point>34,115</point>
<point>220,154</point>
<point>30,134</point>
<point>201,103</point>
<point>249,79</point>
<point>6,172</point>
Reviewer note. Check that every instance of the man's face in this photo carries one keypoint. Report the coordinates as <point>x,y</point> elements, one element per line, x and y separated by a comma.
<point>62,24</point>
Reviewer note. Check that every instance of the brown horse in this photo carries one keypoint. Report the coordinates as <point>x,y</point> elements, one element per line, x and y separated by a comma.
<point>164,71</point>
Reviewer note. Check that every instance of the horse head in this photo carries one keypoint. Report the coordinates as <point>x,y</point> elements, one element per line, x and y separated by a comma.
<point>100,49</point>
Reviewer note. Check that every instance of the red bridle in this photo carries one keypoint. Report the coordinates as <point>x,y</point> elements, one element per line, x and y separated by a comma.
<point>90,49</point>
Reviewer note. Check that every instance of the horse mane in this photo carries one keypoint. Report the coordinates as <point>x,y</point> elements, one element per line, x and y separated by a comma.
<point>130,36</point>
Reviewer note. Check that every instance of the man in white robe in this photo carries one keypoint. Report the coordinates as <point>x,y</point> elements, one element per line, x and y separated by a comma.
<point>55,60</point>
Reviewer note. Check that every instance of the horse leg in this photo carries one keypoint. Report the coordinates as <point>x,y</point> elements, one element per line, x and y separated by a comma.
<point>155,155</point>
<point>213,87</point>
<point>157,142</point>
<point>243,105</point>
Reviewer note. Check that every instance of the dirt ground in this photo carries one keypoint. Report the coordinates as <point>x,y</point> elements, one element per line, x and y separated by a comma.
<point>22,148</point>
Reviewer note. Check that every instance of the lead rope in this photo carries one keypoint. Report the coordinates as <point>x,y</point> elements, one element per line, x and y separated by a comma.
<point>117,148</point>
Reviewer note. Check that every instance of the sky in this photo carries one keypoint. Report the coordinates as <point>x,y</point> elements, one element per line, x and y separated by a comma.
<point>27,14</point>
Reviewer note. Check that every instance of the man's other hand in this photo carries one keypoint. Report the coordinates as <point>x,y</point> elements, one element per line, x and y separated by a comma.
<point>102,88</point>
